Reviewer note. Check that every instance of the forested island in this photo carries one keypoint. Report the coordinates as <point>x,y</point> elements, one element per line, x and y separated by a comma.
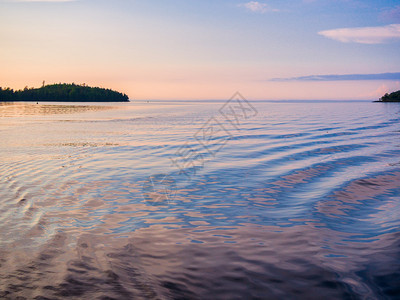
<point>63,92</point>
<point>392,97</point>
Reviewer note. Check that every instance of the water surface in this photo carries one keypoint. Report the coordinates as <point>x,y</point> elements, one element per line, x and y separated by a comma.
<point>173,200</point>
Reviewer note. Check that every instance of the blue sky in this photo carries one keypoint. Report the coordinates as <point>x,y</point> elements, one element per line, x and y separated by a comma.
<point>201,49</point>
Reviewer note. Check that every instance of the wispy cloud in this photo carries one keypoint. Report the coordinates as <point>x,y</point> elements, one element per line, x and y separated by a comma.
<point>257,7</point>
<point>346,77</point>
<point>364,35</point>
<point>378,92</point>
<point>391,15</point>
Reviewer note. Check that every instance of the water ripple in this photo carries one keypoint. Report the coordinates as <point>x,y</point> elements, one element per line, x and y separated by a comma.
<point>302,201</point>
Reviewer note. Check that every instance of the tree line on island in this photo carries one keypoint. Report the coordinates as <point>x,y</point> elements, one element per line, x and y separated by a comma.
<point>63,92</point>
<point>392,97</point>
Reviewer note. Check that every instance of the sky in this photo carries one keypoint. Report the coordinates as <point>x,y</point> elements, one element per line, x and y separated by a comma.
<point>203,49</point>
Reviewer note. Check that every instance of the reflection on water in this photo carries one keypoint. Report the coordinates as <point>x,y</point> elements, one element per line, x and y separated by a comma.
<point>15,109</point>
<point>301,202</point>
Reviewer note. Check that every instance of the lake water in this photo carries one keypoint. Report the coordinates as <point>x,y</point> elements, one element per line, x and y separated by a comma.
<point>200,200</point>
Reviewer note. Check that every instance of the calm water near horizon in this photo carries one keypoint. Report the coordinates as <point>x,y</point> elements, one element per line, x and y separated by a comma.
<point>179,200</point>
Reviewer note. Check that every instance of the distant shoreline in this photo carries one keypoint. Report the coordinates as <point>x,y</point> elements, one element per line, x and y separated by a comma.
<point>62,92</point>
<point>392,97</point>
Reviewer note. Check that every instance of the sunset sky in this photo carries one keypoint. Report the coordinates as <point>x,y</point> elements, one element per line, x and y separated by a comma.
<point>203,49</point>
